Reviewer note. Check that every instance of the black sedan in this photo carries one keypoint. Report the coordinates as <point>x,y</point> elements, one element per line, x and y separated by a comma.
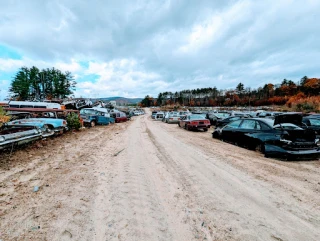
<point>214,117</point>
<point>284,139</point>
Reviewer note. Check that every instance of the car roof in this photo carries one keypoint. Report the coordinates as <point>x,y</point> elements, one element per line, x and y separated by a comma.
<point>269,122</point>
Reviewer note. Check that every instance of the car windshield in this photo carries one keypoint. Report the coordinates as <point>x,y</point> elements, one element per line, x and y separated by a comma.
<point>222,115</point>
<point>88,112</point>
<point>269,122</point>
<point>197,117</point>
<point>183,113</point>
<point>315,122</point>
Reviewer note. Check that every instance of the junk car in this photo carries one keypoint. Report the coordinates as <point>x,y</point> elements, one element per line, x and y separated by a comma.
<point>48,126</point>
<point>159,116</point>
<point>92,117</point>
<point>214,117</point>
<point>172,117</point>
<point>119,117</point>
<point>281,139</point>
<point>194,122</point>
<point>153,114</point>
<point>222,122</point>
<point>11,136</point>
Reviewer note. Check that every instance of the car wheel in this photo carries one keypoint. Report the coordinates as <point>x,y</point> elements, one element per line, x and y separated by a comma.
<point>179,124</point>
<point>92,123</point>
<point>186,127</point>
<point>205,129</point>
<point>260,148</point>
<point>46,127</point>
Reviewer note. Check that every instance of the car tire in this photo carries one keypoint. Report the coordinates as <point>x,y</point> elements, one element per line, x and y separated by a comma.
<point>260,148</point>
<point>205,129</point>
<point>186,127</point>
<point>92,124</point>
<point>179,124</point>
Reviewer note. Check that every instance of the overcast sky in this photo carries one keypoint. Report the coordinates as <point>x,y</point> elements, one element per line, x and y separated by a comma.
<point>134,48</point>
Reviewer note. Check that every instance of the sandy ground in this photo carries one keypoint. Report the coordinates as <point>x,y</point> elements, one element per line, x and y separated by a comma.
<point>147,180</point>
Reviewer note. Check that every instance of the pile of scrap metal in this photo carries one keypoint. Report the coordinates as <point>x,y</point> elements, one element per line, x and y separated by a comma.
<point>77,103</point>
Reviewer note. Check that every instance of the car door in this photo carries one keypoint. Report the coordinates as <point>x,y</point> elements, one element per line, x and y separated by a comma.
<point>315,125</point>
<point>181,121</point>
<point>246,127</point>
<point>227,132</point>
<point>101,118</point>
<point>186,121</point>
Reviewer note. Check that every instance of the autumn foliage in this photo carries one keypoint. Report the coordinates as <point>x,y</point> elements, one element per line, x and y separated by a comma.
<point>300,96</point>
<point>3,117</point>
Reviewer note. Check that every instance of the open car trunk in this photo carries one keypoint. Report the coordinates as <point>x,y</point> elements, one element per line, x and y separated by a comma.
<point>289,118</point>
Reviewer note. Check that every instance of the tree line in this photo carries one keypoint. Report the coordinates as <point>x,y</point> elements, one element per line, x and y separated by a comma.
<point>34,84</point>
<point>269,94</point>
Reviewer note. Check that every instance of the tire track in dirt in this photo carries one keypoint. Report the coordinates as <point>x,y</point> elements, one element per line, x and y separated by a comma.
<point>234,194</point>
<point>133,209</point>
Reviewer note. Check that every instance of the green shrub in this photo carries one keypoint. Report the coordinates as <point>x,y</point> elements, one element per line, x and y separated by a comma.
<point>3,117</point>
<point>73,121</point>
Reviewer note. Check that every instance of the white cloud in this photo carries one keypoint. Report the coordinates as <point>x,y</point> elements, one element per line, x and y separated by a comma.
<point>9,65</point>
<point>140,47</point>
<point>119,77</point>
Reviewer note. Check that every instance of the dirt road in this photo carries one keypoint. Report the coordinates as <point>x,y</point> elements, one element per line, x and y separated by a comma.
<point>147,180</point>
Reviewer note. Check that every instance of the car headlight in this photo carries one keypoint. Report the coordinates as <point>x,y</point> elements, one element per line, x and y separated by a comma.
<point>2,139</point>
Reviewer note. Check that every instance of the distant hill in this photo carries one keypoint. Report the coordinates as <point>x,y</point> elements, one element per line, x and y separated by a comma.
<point>121,100</point>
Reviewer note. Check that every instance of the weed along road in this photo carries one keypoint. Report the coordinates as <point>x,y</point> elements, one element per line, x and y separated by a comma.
<point>147,180</point>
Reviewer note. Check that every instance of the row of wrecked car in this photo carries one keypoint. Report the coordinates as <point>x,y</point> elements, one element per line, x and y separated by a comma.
<point>29,124</point>
<point>286,135</point>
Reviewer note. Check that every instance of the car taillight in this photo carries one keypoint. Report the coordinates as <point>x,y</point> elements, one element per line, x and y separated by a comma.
<point>171,118</point>
<point>194,122</point>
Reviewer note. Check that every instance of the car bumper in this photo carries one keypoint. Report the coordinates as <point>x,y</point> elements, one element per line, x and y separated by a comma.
<point>20,141</point>
<point>198,127</point>
<point>173,121</point>
<point>273,150</point>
